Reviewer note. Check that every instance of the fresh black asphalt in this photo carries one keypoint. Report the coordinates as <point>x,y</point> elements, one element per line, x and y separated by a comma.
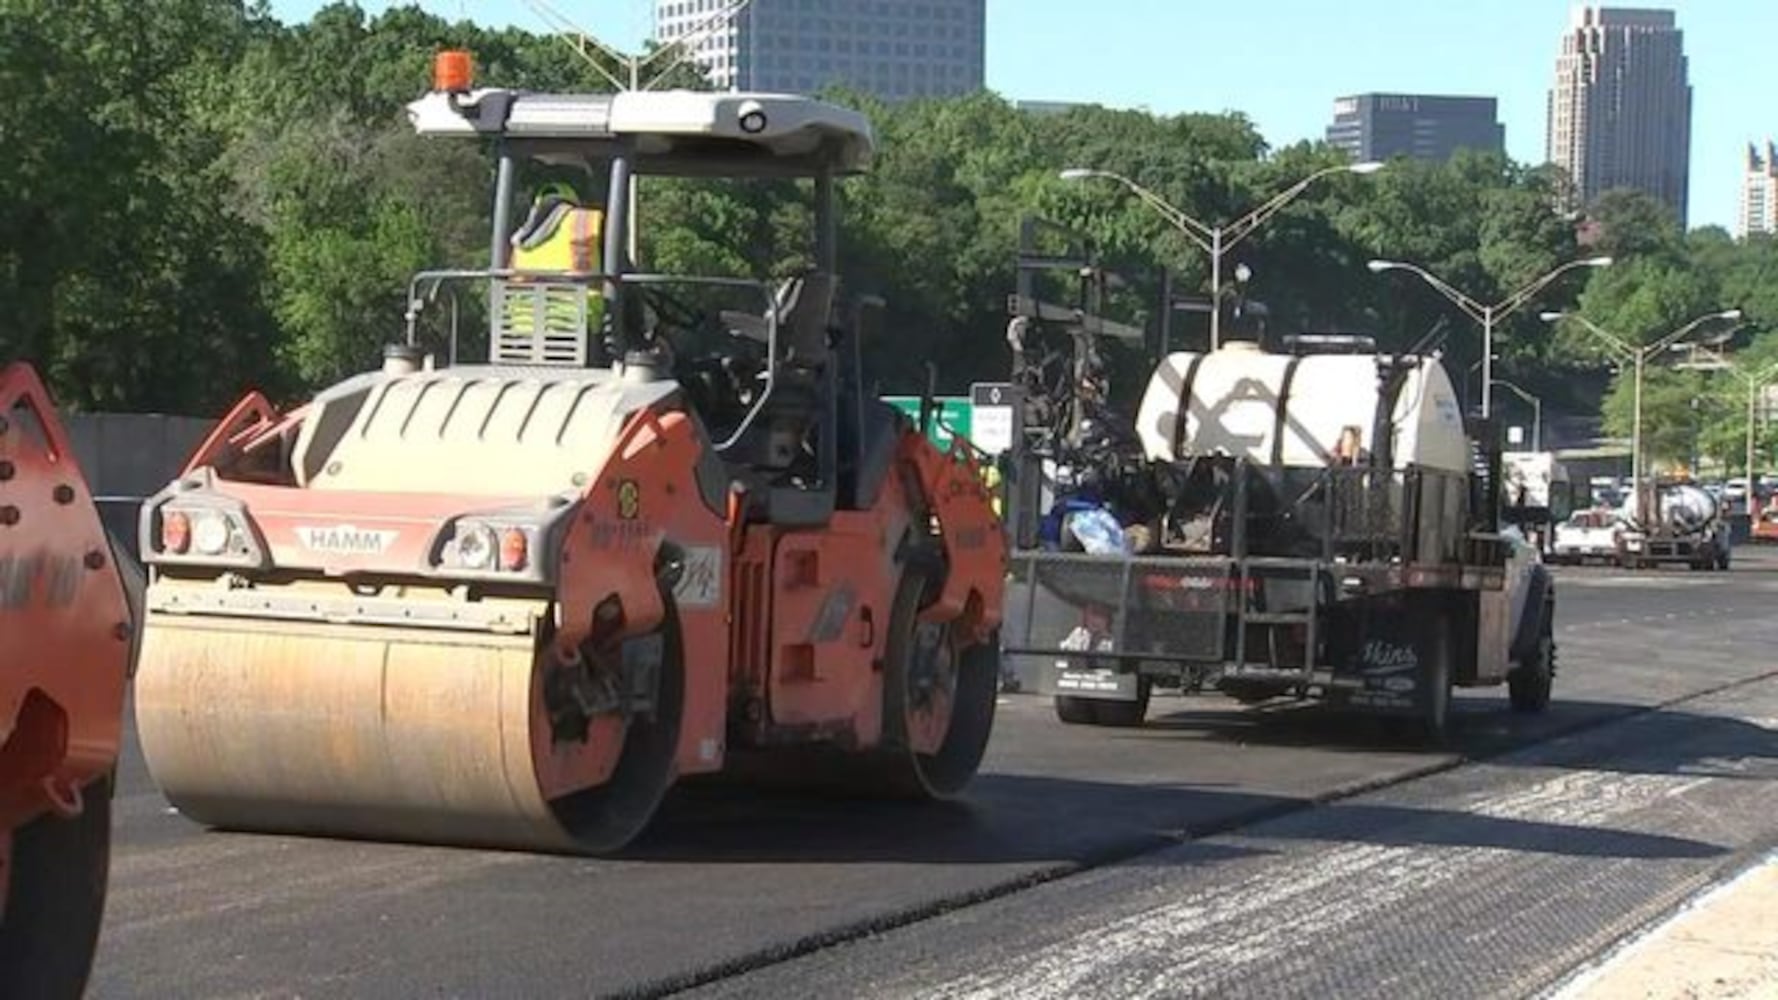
<point>741,893</point>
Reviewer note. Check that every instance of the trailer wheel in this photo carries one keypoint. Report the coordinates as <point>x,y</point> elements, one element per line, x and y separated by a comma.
<point>1074,710</point>
<point>1529,685</point>
<point>1435,676</point>
<point>57,900</point>
<point>1125,714</point>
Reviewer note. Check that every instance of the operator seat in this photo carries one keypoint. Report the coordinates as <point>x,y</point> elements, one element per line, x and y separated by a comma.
<point>804,305</point>
<point>790,447</point>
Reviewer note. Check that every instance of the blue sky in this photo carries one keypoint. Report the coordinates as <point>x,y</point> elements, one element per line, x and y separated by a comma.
<point>1282,62</point>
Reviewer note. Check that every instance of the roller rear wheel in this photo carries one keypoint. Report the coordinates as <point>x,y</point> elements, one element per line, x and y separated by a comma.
<point>938,701</point>
<point>56,900</point>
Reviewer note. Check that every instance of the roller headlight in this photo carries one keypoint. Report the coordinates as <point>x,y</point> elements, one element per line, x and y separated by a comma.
<point>210,532</point>
<point>476,546</point>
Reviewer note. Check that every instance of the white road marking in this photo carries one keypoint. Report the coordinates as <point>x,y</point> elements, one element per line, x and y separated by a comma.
<point>1225,927</point>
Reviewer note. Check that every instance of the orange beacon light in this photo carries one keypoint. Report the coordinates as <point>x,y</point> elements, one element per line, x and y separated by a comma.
<point>453,71</point>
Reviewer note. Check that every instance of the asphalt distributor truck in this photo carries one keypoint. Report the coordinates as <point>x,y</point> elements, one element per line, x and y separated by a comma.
<point>1317,521</point>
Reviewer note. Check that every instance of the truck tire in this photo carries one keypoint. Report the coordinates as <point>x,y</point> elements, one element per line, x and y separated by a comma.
<point>1077,711</point>
<point>1435,678</point>
<point>1529,684</point>
<point>1436,715</point>
<point>1074,710</point>
<point>1125,714</point>
<point>1534,653</point>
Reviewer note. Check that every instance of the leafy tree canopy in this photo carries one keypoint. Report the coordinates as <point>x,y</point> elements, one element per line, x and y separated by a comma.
<point>207,199</point>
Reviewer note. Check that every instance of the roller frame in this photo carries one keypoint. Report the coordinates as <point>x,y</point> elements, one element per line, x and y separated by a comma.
<point>66,634</point>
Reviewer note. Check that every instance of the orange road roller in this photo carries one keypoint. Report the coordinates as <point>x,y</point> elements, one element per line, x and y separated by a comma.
<point>66,634</point>
<point>664,530</point>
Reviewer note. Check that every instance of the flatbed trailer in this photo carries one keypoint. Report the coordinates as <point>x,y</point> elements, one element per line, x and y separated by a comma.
<point>1385,625</point>
<point>1245,538</point>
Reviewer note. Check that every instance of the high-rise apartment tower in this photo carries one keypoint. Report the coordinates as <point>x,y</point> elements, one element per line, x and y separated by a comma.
<point>1620,114</point>
<point>893,49</point>
<point>1759,193</point>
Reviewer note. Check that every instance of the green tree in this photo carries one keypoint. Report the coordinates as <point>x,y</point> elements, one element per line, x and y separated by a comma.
<point>118,276</point>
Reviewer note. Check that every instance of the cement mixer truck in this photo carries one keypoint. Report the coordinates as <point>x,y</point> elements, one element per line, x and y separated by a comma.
<point>1315,522</point>
<point>1686,529</point>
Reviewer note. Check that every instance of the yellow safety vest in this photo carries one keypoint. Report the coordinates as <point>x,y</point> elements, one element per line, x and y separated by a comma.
<point>571,240</point>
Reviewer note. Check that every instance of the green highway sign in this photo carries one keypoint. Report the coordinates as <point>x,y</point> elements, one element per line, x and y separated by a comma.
<point>951,415</point>
<point>986,418</point>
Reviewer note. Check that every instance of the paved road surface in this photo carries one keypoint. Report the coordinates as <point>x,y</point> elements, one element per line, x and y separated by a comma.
<point>1177,856</point>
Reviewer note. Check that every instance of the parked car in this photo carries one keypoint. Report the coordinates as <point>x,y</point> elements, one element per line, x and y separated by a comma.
<point>1765,527</point>
<point>1589,535</point>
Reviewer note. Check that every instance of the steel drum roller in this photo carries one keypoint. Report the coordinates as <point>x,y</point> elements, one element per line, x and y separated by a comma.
<point>383,733</point>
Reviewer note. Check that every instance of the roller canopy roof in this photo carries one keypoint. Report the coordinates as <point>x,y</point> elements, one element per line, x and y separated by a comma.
<point>670,132</point>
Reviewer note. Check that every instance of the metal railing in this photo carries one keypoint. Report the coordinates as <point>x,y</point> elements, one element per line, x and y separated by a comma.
<point>1281,536</point>
<point>549,345</point>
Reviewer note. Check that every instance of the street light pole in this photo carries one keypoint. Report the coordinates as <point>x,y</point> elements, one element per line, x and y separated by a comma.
<point>1755,381</point>
<point>1215,288</point>
<point>1486,315</point>
<point>1752,392</point>
<point>1636,437</point>
<point>1487,360</point>
<point>1640,356</point>
<point>1218,240</point>
<point>1536,411</point>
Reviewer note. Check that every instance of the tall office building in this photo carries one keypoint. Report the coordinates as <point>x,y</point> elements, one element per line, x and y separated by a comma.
<point>1759,192</point>
<point>1620,114</point>
<point>893,49</point>
<point>1422,126</point>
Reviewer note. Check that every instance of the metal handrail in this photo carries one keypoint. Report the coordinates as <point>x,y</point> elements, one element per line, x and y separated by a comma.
<point>435,279</point>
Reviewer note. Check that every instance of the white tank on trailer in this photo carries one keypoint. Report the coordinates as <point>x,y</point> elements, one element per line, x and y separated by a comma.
<point>1236,394</point>
<point>1687,507</point>
<point>1680,505</point>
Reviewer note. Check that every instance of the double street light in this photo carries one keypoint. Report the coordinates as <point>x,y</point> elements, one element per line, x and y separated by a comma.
<point>1639,357</point>
<point>1754,379</point>
<point>1218,240</point>
<point>1487,315</point>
